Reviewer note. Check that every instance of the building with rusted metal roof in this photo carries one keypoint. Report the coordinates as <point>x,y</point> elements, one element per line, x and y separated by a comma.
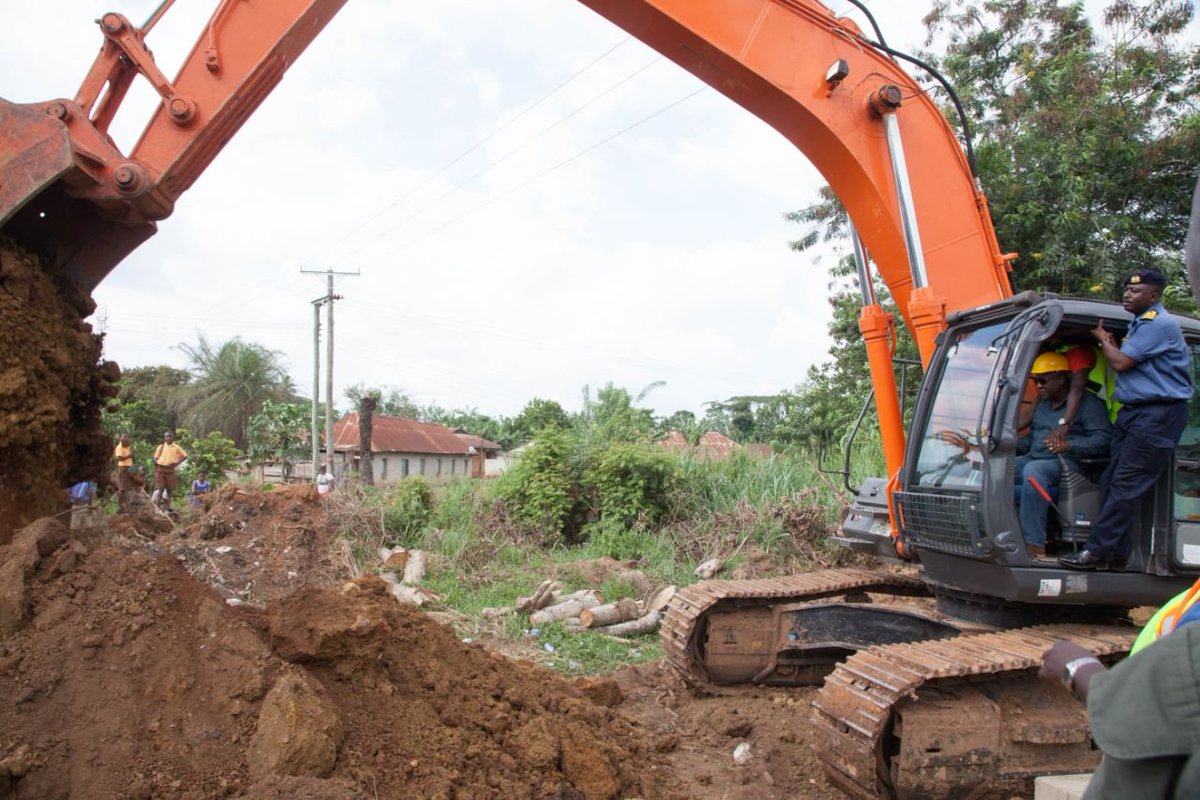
<point>401,448</point>
<point>712,445</point>
<point>486,461</point>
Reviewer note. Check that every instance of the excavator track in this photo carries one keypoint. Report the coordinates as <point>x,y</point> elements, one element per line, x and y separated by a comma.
<point>684,628</point>
<point>962,717</point>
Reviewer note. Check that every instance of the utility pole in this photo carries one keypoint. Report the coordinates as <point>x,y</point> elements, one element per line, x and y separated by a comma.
<point>326,301</point>
<point>316,389</point>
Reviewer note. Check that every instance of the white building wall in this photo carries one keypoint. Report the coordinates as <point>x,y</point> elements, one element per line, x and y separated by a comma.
<point>437,467</point>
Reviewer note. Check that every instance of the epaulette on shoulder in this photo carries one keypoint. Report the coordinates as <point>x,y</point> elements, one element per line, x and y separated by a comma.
<point>1149,315</point>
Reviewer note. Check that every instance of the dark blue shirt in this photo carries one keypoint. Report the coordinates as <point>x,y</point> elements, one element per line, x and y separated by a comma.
<point>1189,616</point>
<point>1163,371</point>
<point>1088,435</point>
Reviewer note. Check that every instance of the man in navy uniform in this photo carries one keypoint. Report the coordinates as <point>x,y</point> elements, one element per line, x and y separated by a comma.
<point>1153,384</point>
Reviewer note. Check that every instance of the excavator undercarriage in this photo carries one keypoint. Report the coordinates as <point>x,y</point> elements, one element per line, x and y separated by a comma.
<point>914,704</point>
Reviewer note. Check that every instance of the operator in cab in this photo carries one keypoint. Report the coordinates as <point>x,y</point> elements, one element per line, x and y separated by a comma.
<point>1038,471</point>
<point>1153,385</point>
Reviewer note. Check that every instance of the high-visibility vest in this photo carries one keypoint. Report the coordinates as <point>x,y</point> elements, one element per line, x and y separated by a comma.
<point>1105,377</point>
<point>1167,617</point>
<point>1102,380</point>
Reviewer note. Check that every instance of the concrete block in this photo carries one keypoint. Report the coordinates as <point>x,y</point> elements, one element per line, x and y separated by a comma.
<point>1060,787</point>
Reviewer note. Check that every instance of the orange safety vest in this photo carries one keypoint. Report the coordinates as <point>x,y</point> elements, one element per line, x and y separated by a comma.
<point>1176,608</point>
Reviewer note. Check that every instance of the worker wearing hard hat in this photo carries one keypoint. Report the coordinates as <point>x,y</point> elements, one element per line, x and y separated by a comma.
<point>1037,472</point>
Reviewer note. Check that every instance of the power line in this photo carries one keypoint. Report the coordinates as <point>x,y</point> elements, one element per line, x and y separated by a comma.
<point>475,146</point>
<point>546,172</point>
<point>454,189</point>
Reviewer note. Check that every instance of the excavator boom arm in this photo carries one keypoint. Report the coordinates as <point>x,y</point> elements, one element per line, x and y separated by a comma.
<point>810,75</point>
<point>775,59</point>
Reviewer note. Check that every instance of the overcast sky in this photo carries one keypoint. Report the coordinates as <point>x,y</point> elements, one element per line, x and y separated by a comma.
<point>626,228</point>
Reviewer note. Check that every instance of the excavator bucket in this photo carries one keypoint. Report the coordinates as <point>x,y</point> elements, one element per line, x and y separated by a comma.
<point>37,168</point>
<point>35,151</point>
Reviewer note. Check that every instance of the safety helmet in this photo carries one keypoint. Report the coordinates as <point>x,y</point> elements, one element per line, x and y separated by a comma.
<point>1050,362</point>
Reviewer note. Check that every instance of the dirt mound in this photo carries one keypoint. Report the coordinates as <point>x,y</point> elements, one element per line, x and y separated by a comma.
<point>470,721</point>
<point>128,677</point>
<point>251,546</point>
<point>698,731</point>
<point>52,389</point>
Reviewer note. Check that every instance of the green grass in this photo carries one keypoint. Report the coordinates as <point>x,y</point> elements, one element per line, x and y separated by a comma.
<point>583,653</point>
<point>480,558</point>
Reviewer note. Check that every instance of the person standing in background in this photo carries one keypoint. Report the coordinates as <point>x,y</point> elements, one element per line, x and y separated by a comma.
<point>167,457</point>
<point>200,487</point>
<point>123,454</point>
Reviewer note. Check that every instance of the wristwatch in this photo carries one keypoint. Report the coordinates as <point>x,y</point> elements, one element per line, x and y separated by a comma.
<point>1068,678</point>
<point>1062,421</point>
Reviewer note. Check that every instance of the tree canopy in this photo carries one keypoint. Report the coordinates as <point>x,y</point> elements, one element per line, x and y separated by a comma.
<point>1086,147</point>
<point>232,381</point>
<point>1086,140</point>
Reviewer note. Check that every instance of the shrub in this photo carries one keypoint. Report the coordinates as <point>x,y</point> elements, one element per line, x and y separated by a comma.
<point>407,506</point>
<point>631,482</point>
<point>538,490</point>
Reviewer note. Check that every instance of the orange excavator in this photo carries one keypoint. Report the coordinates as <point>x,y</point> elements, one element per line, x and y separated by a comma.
<point>928,673</point>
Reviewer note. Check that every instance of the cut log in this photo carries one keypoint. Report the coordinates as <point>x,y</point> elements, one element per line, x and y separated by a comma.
<point>493,613</point>
<point>621,611</point>
<point>589,597</point>
<point>660,600</point>
<point>542,596</point>
<point>644,624</point>
<point>411,595</point>
<point>561,611</point>
<point>414,570</point>
<point>397,559</point>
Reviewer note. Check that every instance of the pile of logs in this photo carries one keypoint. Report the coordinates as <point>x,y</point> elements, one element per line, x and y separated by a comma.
<point>411,565</point>
<point>586,610</point>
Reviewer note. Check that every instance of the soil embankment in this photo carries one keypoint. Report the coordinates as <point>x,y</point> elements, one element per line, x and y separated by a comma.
<point>130,677</point>
<point>52,390</point>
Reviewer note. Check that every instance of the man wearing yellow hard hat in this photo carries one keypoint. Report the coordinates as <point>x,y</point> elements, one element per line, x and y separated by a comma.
<point>1038,471</point>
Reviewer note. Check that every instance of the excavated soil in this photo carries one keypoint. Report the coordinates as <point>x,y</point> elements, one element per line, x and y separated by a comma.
<point>52,390</point>
<point>225,655</point>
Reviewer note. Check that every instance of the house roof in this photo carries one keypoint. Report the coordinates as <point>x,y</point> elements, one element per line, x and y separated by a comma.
<point>716,445</point>
<point>398,435</point>
<point>712,445</point>
<point>478,442</point>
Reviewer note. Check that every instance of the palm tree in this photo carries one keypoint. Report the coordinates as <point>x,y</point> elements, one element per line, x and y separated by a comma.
<point>232,383</point>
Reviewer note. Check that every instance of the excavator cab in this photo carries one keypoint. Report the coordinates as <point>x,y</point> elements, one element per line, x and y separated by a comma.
<point>954,502</point>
